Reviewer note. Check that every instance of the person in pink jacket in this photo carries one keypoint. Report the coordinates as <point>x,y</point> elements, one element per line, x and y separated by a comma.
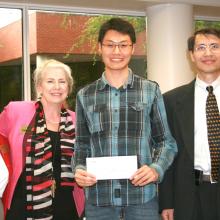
<point>41,135</point>
<point>3,183</point>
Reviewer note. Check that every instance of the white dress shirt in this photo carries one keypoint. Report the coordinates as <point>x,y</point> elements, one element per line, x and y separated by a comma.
<point>3,175</point>
<point>202,159</point>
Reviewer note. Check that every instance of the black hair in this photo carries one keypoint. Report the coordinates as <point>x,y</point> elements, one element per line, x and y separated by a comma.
<point>205,31</point>
<point>119,25</point>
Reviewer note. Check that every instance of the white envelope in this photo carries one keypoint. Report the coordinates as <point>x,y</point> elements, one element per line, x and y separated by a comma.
<point>116,167</point>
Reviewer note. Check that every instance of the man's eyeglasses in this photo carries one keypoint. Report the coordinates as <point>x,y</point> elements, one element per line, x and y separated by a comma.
<point>214,48</point>
<point>121,46</point>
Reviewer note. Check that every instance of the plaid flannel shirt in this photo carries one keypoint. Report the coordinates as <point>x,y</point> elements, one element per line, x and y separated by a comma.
<point>130,120</point>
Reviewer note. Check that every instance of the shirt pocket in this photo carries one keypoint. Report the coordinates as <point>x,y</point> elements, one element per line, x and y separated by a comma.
<point>98,117</point>
<point>139,107</point>
<point>138,113</point>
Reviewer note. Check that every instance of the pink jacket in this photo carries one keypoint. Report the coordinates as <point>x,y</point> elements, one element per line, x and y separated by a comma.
<point>14,120</point>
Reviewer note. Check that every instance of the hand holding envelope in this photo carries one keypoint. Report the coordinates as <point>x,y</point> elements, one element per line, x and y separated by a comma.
<point>84,179</point>
<point>100,168</point>
<point>117,167</point>
<point>144,176</point>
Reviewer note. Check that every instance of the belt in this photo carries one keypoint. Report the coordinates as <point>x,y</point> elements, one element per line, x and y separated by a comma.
<point>200,177</point>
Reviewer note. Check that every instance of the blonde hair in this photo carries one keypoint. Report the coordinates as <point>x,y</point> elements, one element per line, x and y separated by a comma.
<point>51,63</point>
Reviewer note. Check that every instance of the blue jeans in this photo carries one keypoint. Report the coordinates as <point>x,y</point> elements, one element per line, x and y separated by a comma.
<point>146,211</point>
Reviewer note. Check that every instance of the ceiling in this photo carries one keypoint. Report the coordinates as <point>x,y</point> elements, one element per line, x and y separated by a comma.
<point>203,8</point>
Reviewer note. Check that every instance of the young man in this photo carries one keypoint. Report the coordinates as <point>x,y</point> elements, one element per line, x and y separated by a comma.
<point>122,114</point>
<point>190,189</point>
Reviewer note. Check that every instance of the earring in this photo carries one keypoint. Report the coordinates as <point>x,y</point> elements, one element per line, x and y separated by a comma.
<point>40,96</point>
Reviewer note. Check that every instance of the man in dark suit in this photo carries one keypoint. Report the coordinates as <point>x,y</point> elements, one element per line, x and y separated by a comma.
<point>189,191</point>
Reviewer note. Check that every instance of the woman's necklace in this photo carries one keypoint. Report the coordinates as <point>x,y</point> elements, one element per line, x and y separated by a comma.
<point>53,187</point>
<point>55,142</point>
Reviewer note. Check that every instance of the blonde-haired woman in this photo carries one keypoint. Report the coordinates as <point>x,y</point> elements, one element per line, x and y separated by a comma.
<point>41,135</point>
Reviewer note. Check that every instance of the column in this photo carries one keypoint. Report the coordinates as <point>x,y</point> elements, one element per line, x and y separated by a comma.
<point>168,28</point>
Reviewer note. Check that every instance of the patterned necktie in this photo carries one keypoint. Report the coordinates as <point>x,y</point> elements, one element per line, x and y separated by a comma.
<point>213,128</point>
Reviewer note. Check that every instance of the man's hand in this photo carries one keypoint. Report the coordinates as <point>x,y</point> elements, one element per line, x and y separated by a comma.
<point>144,175</point>
<point>167,214</point>
<point>84,179</point>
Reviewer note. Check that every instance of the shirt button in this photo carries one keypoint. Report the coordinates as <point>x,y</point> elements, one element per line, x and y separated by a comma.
<point>116,94</point>
<point>116,110</point>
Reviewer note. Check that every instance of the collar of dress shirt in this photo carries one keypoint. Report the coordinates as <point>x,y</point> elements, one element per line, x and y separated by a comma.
<point>202,84</point>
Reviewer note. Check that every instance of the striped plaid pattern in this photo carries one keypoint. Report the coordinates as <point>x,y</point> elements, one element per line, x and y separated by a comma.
<point>213,128</point>
<point>38,163</point>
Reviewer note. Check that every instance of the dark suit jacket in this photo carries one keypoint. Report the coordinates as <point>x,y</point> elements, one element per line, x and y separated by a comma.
<point>178,187</point>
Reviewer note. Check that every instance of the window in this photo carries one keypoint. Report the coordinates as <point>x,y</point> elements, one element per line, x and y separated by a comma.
<point>206,23</point>
<point>11,83</point>
<point>68,37</point>
<point>72,39</point>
